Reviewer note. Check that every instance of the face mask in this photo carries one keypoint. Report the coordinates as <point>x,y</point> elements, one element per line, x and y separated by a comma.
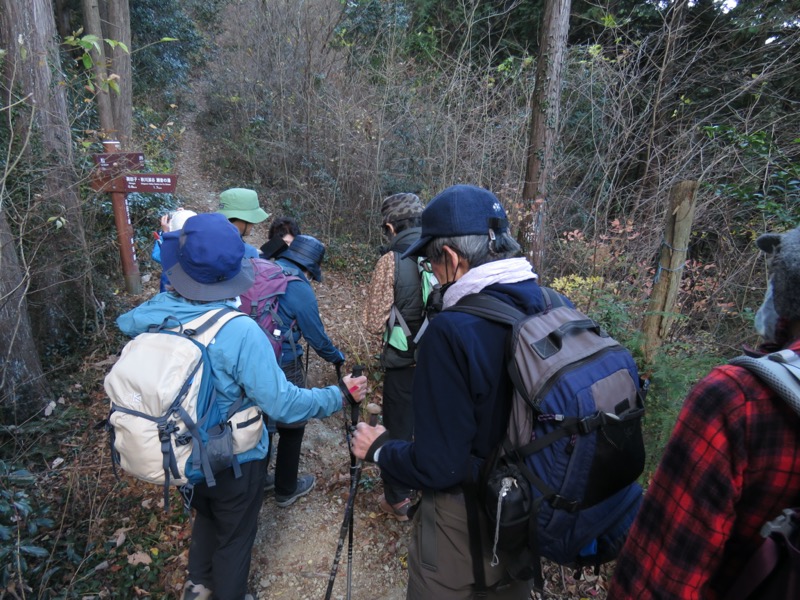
<point>446,286</point>
<point>237,302</point>
<point>435,302</point>
<point>766,317</point>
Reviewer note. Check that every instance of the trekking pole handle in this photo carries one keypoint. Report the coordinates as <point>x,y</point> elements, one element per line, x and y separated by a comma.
<point>355,410</point>
<point>374,412</point>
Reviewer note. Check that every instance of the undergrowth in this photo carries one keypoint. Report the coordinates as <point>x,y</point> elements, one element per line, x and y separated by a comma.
<point>68,527</point>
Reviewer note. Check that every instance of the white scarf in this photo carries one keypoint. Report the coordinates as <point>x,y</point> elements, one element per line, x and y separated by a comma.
<point>509,270</point>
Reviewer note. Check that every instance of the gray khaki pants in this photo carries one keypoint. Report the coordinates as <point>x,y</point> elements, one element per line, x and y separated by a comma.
<point>450,577</point>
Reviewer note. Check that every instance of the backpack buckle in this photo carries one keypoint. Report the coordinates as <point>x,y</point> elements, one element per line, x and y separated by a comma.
<point>589,424</point>
<point>165,431</point>
<point>561,503</point>
<point>783,524</point>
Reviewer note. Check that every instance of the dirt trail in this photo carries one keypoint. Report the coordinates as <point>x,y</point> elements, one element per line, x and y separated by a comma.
<point>197,187</point>
<point>295,546</point>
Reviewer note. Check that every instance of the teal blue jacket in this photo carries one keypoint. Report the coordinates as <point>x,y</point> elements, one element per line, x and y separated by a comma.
<point>242,362</point>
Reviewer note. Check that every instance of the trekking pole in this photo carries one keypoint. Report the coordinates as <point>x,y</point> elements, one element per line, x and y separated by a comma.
<point>358,370</point>
<point>355,475</point>
<point>347,523</point>
<point>374,410</point>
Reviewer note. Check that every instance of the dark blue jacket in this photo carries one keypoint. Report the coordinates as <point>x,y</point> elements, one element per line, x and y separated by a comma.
<point>299,305</point>
<point>462,396</point>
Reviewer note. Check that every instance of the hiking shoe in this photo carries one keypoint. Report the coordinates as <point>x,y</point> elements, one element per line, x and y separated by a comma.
<point>399,511</point>
<point>269,482</point>
<point>305,483</point>
<point>195,591</point>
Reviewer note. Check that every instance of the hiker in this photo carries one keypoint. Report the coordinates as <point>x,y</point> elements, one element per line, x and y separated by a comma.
<point>241,207</point>
<point>282,231</point>
<point>170,222</point>
<point>461,393</point>
<point>396,285</point>
<point>732,463</point>
<point>299,309</point>
<point>206,270</point>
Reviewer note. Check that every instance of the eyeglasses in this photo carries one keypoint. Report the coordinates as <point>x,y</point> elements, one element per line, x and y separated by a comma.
<point>426,265</point>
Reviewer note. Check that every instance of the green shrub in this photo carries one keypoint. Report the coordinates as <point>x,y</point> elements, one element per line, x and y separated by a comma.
<point>24,524</point>
<point>161,68</point>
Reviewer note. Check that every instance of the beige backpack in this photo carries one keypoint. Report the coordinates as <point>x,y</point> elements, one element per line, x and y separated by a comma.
<point>166,427</point>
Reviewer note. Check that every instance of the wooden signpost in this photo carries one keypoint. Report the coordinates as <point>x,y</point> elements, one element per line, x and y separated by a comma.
<point>115,174</point>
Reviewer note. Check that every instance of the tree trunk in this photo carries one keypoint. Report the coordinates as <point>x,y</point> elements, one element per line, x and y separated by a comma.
<point>662,120</point>
<point>56,257</point>
<point>678,229</point>
<point>23,388</point>
<point>545,103</point>
<point>118,28</point>
<point>91,24</point>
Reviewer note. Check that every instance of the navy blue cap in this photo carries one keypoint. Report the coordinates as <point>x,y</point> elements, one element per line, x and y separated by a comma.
<point>205,260</point>
<point>459,210</point>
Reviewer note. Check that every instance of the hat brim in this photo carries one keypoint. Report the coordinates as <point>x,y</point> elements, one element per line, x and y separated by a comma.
<point>208,292</point>
<point>418,247</point>
<point>254,215</point>
<point>303,262</point>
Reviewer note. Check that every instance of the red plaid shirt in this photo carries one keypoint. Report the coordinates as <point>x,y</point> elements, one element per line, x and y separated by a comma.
<point>732,463</point>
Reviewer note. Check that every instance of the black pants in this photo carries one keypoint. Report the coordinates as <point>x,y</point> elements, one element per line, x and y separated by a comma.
<point>290,439</point>
<point>398,417</point>
<point>224,530</point>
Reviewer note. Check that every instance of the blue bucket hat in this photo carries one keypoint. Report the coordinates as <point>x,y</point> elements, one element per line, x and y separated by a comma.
<point>308,252</point>
<point>205,260</point>
<point>459,210</point>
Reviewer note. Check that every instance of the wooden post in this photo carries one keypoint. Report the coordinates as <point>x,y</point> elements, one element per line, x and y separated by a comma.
<point>672,257</point>
<point>122,218</point>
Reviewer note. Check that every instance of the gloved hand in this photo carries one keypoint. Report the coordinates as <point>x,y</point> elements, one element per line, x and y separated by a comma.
<point>339,361</point>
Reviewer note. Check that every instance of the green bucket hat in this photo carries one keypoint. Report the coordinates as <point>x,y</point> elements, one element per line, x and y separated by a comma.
<point>242,204</point>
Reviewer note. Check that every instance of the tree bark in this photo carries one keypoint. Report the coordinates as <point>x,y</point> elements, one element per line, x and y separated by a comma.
<point>118,28</point>
<point>545,104</point>
<point>57,259</point>
<point>92,26</point>
<point>677,231</point>
<point>23,388</point>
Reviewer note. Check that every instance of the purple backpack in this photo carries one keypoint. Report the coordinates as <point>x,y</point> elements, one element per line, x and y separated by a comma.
<point>261,301</point>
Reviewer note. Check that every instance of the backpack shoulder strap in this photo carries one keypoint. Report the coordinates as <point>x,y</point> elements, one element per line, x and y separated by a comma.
<point>210,320</point>
<point>488,307</point>
<point>773,564</point>
<point>780,371</point>
<point>203,329</point>
<point>552,298</point>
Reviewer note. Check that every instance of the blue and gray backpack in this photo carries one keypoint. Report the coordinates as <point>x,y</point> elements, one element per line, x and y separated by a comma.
<point>562,484</point>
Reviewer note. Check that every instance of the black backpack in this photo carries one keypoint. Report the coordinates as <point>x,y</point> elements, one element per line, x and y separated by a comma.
<point>562,484</point>
<point>773,572</point>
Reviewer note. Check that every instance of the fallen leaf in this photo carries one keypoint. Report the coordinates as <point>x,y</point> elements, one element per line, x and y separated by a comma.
<point>102,566</point>
<point>139,558</point>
